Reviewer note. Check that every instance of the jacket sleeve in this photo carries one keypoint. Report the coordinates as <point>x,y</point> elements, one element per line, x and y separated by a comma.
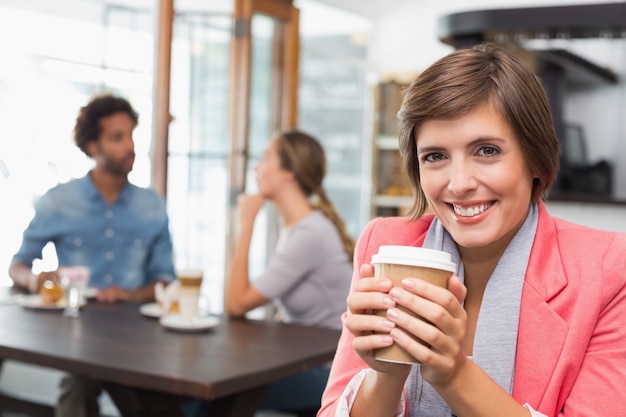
<point>378,232</point>
<point>346,363</point>
<point>599,386</point>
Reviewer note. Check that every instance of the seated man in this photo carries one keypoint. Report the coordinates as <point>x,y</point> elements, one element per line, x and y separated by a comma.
<point>118,230</point>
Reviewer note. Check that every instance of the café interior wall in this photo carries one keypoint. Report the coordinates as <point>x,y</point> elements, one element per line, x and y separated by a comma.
<point>404,37</point>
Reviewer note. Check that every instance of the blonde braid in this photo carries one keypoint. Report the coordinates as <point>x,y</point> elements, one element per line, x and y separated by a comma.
<point>324,205</point>
<point>303,155</point>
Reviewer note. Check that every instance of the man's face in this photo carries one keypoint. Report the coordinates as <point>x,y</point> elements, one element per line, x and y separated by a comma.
<point>114,152</point>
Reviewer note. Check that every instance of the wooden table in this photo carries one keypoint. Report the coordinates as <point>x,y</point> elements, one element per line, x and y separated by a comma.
<point>230,364</point>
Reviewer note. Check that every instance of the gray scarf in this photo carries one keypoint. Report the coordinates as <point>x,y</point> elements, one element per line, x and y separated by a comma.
<point>496,330</point>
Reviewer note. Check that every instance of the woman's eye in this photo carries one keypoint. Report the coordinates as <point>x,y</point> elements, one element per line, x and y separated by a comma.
<point>433,157</point>
<point>488,150</point>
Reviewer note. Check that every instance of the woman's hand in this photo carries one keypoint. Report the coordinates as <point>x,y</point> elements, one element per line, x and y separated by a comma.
<point>445,333</point>
<point>249,206</point>
<point>371,331</point>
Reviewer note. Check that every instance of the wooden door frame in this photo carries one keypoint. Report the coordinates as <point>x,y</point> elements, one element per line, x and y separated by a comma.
<point>161,100</point>
<point>285,94</point>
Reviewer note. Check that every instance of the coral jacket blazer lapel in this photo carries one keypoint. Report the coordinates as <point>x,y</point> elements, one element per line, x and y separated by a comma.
<point>571,329</point>
<point>542,331</point>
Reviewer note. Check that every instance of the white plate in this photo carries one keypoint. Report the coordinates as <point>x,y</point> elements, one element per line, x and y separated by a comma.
<point>153,310</point>
<point>197,324</point>
<point>34,301</point>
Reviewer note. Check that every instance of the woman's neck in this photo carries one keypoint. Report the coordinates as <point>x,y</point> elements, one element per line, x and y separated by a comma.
<point>483,260</point>
<point>292,207</point>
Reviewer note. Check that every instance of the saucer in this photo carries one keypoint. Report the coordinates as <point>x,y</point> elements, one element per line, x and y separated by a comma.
<point>152,310</point>
<point>34,301</point>
<point>197,324</point>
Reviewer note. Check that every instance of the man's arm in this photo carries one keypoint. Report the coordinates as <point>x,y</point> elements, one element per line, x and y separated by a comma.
<point>141,295</point>
<point>23,276</point>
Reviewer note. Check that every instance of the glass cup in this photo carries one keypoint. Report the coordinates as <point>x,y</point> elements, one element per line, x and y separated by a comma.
<point>74,280</point>
<point>190,281</point>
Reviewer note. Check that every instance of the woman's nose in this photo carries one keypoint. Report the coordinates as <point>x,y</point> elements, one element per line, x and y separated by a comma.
<point>462,179</point>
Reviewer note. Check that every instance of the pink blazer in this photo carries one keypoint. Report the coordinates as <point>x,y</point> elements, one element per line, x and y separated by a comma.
<point>571,354</point>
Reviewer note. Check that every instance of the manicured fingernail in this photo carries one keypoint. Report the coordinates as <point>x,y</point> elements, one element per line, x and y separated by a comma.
<point>408,283</point>
<point>395,334</point>
<point>386,339</point>
<point>385,285</point>
<point>392,313</point>
<point>389,302</point>
<point>395,292</point>
<point>388,324</point>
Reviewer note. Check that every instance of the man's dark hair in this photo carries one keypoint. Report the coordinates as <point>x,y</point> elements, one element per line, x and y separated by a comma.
<point>88,127</point>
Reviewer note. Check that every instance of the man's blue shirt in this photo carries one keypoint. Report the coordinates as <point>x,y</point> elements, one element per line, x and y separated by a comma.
<point>126,243</point>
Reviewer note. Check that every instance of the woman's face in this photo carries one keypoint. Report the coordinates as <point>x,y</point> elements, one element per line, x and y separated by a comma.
<point>475,177</point>
<point>270,176</point>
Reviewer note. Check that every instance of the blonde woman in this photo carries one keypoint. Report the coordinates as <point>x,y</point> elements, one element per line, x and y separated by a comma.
<point>308,276</point>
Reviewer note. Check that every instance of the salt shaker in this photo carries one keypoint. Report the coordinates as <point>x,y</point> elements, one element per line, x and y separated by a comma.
<point>72,300</point>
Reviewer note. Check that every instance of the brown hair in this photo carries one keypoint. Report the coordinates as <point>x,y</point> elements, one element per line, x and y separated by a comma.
<point>303,155</point>
<point>88,129</point>
<point>461,82</point>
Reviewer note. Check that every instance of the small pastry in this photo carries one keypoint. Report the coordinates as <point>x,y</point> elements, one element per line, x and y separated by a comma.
<point>50,292</point>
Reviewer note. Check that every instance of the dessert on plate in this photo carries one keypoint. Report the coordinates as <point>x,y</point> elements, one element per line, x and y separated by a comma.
<point>51,292</point>
<point>167,297</point>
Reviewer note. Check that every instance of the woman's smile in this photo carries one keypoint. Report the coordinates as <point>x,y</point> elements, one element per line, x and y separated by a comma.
<point>463,210</point>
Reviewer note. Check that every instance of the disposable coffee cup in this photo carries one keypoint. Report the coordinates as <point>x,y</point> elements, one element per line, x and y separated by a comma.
<point>190,281</point>
<point>399,262</point>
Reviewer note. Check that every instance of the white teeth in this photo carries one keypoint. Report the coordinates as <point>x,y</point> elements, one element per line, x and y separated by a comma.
<point>470,211</point>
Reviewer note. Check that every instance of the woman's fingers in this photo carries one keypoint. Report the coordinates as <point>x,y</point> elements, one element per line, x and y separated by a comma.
<point>431,314</point>
<point>369,294</point>
<point>436,304</point>
<point>369,323</point>
<point>456,287</point>
<point>366,270</point>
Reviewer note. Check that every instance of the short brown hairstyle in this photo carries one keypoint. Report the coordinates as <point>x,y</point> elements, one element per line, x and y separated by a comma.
<point>88,129</point>
<point>461,82</point>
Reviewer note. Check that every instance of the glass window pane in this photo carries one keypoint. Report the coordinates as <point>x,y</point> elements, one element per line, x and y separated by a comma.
<point>261,84</point>
<point>196,203</point>
<point>198,147</point>
<point>333,101</point>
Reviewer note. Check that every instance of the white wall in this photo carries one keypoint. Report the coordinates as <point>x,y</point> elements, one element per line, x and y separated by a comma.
<point>404,36</point>
<point>601,216</point>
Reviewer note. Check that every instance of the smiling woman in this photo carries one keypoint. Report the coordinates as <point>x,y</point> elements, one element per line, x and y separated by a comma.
<point>479,146</point>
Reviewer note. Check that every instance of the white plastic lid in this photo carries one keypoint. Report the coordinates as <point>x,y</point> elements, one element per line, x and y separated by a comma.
<point>414,256</point>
